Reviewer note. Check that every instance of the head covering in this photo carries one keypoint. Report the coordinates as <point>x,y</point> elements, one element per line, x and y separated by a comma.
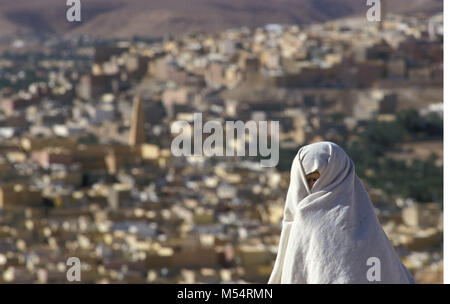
<point>330,233</point>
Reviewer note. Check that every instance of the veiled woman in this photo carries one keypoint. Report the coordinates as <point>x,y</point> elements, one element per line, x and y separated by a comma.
<point>330,233</point>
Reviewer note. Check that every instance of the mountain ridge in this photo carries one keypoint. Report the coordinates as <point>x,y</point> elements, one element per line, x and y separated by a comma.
<point>156,18</point>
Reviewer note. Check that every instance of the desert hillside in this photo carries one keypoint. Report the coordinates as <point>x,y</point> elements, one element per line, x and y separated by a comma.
<point>153,18</point>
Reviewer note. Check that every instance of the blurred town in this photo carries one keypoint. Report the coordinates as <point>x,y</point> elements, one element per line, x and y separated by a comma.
<point>86,168</point>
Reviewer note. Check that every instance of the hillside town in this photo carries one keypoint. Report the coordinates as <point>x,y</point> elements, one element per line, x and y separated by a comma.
<point>86,168</point>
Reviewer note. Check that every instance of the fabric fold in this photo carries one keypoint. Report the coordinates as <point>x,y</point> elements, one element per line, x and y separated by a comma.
<point>275,277</point>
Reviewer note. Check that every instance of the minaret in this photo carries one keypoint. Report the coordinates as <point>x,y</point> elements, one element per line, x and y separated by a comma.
<point>383,14</point>
<point>137,134</point>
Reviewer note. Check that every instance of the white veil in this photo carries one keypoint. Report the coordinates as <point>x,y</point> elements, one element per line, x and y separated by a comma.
<point>330,234</point>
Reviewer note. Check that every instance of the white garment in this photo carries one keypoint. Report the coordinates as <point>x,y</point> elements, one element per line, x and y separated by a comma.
<point>329,233</point>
